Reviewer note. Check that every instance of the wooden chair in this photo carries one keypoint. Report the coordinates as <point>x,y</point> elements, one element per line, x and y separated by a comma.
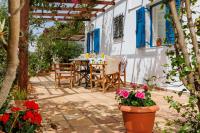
<point>107,74</point>
<point>122,69</point>
<point>82,70</point>
<point>112,72</point>
<point>64,71</point>
<point>97,75</point>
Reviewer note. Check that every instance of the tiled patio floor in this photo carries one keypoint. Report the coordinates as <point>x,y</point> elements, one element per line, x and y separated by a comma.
<point>79,110</point>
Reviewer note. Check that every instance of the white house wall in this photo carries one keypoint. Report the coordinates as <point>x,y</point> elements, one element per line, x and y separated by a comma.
<point>143,62</point>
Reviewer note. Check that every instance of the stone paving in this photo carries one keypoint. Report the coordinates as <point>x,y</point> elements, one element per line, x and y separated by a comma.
<point>78,110</point>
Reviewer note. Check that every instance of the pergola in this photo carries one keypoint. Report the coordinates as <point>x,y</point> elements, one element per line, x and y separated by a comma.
<point>55,10</point>
<point>65,10</point>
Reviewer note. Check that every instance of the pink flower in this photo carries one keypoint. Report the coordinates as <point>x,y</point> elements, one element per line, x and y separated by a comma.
<point>140,95</point>
<point>125,93</point>
<point>118,91</point>
<point>145,87</point>
<point>134,85</point>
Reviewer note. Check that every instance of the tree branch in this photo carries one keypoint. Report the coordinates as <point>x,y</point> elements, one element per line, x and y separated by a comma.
<point>181,39</point>
<point>193,34</point>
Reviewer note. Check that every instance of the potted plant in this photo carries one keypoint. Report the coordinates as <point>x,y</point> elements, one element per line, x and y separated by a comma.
<point>19,96</point>
<point>159,42</point>
<point>18,120</point>
<point>138,109</point>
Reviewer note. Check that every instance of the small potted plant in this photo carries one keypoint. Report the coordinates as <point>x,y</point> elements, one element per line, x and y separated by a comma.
<point>19,96</point>
<point>159,41</point>
<point>138,109</point>
<point>18,120</point>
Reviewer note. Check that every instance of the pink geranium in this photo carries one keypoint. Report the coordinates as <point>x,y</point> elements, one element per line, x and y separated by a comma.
<point>140,95</point>
<point>134,85</point>
<point>145,87</point>
<point>118,91</point>
<point>125,93</point>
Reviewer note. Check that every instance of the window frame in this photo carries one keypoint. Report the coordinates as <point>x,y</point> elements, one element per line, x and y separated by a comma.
<point>151,24</point>
<point>117,28</point>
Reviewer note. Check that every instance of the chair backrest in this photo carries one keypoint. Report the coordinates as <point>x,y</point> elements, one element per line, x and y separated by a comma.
<point>67,67</point>
<point>123,64</point>
<point>112,65</point>
<point>97,68</point>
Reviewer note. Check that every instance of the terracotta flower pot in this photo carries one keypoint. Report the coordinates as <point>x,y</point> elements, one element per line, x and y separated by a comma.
<point>138,119</point>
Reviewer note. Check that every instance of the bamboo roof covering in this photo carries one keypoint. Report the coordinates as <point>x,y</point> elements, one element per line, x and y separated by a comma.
<point>67,10</point>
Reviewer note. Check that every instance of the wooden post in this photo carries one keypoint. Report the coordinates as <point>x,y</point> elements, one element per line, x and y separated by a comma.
<point>23,47</point>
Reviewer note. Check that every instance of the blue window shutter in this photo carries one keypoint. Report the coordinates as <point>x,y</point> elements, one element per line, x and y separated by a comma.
<point>170,36</point>
<point>140,27</point>
<point>96,40</point>
<point>88,42</point>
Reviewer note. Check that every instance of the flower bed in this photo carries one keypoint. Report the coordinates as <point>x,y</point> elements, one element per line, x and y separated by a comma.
<point>18,119</point>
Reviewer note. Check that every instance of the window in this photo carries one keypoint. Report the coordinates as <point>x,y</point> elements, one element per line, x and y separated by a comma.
<point>118,31</point>
<point>158,25</point>
<point>93,41</point>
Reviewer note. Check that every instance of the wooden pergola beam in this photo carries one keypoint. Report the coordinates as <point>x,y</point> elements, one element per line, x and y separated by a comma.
<point>64,15</point>
<point>65,19</point>
<point>85,2</point>
<point>67,9</point>
<point>72,8</point>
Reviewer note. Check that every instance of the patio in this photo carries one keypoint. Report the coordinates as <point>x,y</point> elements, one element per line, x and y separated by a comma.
<point>79,110</point>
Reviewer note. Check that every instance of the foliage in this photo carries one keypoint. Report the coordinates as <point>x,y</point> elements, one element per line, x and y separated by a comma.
<point>2,64</point>
<point>66,50</point>
<point>189,120</point>
<point>21,120</point>
<point>5,105</point>
<point>3,57</point>
<point>53,43</point>
<point>37,64</point>
<point>140,98</point>
<point>184,58</point>
<point>184,66</point>
<point>20,94</point>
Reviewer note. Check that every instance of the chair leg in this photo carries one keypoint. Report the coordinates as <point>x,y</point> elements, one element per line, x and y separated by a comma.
<point>91,85</point>
<point>118,77</point>
<point>103,86</point>
<point>125,78</point>
<point>59,82</point>
<point>71,84</point>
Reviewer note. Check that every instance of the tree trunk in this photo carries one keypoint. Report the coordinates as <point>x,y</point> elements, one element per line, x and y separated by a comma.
<point>12,58</point>
<point>23,47</point>
<point>198,104</point>
<point>193,33</point>
<point>181,40</point>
